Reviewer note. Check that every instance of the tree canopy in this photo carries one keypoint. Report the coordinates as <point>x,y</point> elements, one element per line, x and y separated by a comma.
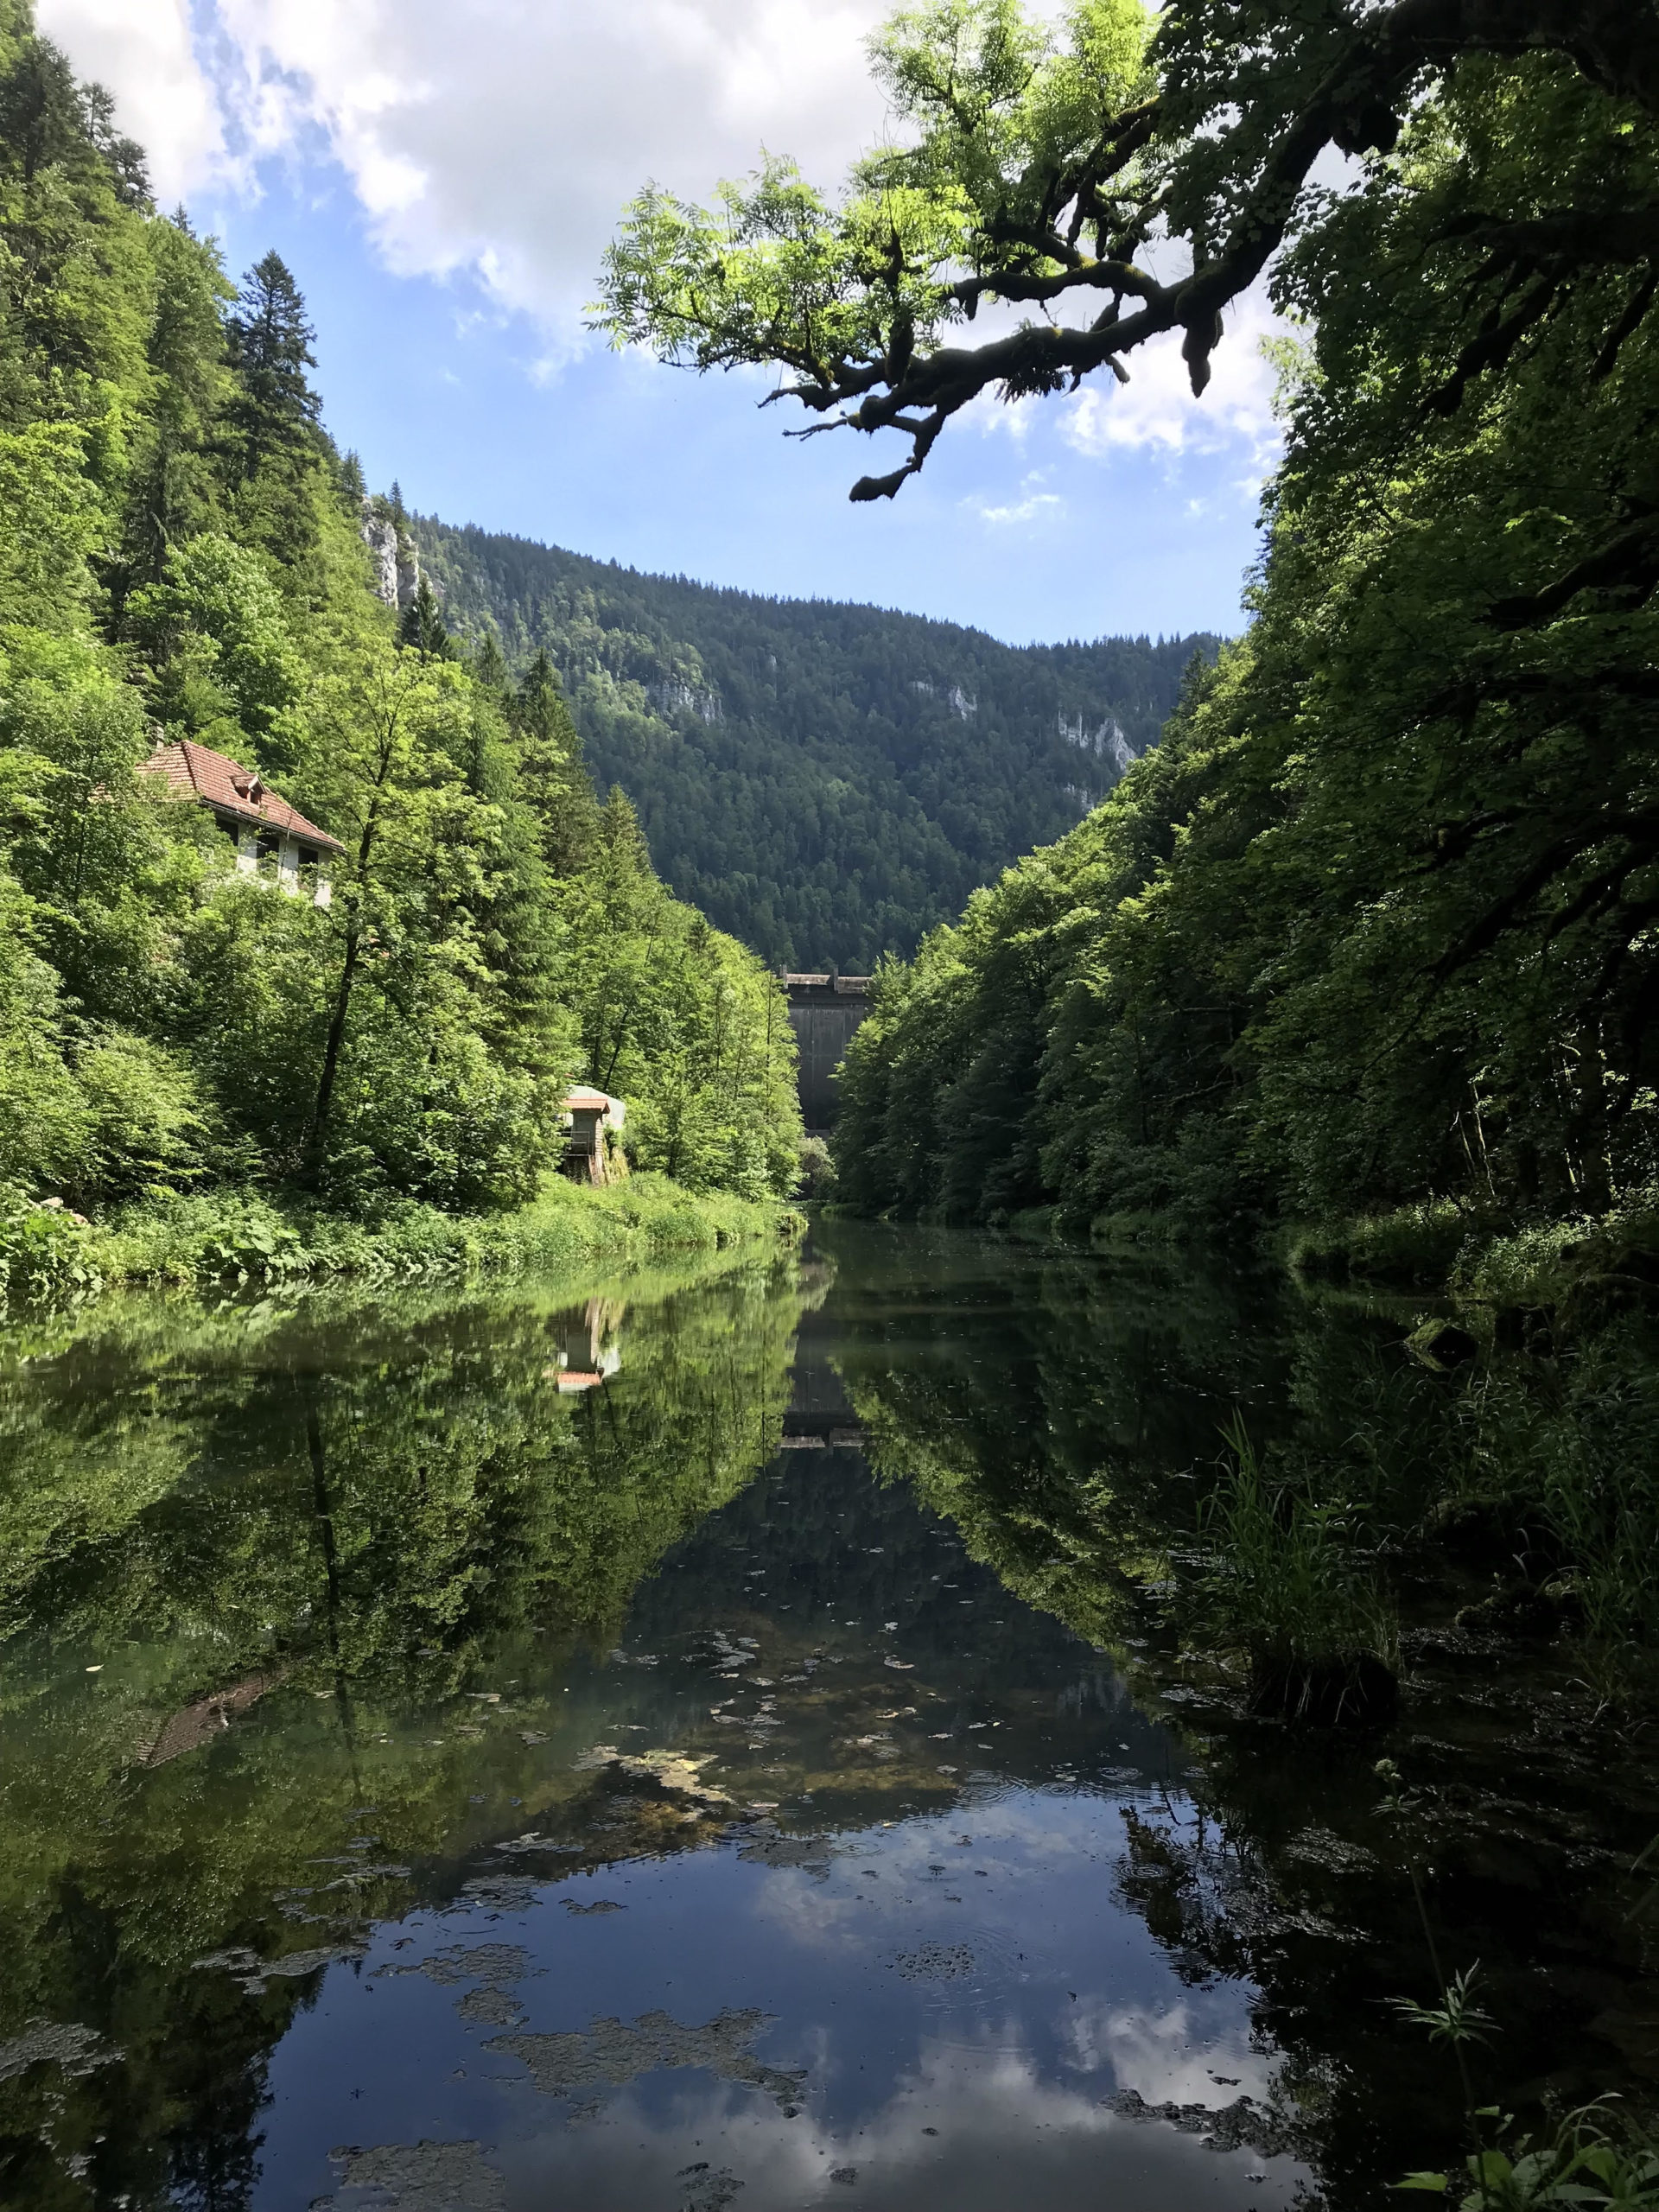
<point>1372,928</point>
<point>1057,168</point>
<point>827,782</point>
<point>183,560</point>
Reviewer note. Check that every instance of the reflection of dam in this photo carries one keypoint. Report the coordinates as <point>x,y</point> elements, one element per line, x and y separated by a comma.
<point>819,1432</point>
<point>820,1415</point>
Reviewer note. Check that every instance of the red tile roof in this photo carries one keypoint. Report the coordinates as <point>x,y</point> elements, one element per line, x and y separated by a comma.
<point>214,779</point>
<point>584,1099</point>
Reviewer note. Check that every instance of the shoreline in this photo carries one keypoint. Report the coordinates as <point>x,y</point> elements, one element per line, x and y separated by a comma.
<point>49,1255</point>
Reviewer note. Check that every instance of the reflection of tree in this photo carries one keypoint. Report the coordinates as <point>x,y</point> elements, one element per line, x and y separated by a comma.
<point>357,1507</point>
<point>1065,1416</point>
<point>1056,1409</point>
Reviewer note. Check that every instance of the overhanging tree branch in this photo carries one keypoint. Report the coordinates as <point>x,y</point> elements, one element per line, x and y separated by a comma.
<point>854,306</point>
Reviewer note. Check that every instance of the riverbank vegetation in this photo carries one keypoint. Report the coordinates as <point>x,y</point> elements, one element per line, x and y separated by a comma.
<point>1357,966</point>
<point>186,1054</point>
<point>1370,933</point>
<point>230,1236</point>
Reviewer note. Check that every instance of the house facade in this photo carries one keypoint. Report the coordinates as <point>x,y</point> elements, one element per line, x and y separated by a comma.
<point>272,839</point>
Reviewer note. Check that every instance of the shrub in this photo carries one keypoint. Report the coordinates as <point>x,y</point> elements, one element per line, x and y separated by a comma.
<point>1415,1245</point>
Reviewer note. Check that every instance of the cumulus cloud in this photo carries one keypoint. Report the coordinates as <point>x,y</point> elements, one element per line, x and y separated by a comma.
<point>1156,408</point>
<point>143,50</point>
<point>503,139</point>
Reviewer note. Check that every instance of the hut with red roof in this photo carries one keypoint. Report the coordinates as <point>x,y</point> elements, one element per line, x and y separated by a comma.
<point>592,1151</point>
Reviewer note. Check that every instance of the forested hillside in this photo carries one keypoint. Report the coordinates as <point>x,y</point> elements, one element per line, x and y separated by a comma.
<point>1372,929</point>
<point>825,781</point>
<point>184,586</point>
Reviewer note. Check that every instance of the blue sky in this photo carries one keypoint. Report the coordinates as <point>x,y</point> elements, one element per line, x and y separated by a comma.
<point>443,181</point>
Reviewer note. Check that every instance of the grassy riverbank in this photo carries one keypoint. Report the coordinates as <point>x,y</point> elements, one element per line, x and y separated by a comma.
<point>1489,1258</point>
<point>230,1236</point>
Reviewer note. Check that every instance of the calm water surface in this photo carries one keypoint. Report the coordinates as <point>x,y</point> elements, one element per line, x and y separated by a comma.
<point>710,1743</point>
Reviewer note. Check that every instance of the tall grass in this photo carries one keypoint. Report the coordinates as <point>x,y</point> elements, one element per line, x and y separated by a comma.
<point>237,1237</point>
<point>1416,1246</point>
<point>1282,1583</point>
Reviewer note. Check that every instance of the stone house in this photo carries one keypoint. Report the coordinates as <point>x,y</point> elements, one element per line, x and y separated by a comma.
<point>271,838</point>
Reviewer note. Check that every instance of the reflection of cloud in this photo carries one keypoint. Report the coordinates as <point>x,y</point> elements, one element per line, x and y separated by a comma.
<point>1053,1835</point>
<point>956,2129</point>
<point>1167,2056</point>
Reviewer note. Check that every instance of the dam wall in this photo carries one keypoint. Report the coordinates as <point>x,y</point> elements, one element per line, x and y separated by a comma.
<point>823,1011</point>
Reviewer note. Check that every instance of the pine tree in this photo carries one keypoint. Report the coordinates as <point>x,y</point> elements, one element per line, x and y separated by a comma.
<point>553,775</point>
<point>43,120</point>
<point>277,411</point>
<point>420,626</point>
<point>489,666</point>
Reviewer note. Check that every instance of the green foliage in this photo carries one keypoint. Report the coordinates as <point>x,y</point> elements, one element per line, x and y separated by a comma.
<point>214,631</point>
<point>1582,2164</point>
<point>181,555</point>
<point>825,782</point>
<point>51,518</point>
<point>1366,941</point>
<point>1005,118</point>
<point>1282,1580</point>
<point>816,1181</point>
<point>233,1236</point>
<point>1411,1245</point>
<point>1045,164</point>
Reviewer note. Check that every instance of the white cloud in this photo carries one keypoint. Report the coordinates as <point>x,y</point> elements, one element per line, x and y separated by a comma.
<point>142,50</point>
<point>504,140</point>
<point>504,137</point>
<point>1036,505</point>
<point>1156,407</point>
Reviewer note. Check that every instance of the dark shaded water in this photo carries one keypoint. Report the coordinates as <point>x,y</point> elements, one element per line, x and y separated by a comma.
<point>714,1744</point>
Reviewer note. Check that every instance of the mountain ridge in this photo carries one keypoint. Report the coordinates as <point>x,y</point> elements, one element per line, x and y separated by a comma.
<point>824,778</point>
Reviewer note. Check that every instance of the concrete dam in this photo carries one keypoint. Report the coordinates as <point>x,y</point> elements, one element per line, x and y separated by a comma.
<point>823,1011</point>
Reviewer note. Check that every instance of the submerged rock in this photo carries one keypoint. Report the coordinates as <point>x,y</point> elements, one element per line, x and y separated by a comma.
<point>75,2051</point>
<point>418,2177</point>
<point>610,2054</point>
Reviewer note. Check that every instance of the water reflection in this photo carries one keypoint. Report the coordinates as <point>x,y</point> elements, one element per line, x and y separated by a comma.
<point>756,1775</point>
<point>589,1349</point>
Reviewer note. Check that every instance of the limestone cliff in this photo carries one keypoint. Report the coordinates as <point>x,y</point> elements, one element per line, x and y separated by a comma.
<point>391,549</point>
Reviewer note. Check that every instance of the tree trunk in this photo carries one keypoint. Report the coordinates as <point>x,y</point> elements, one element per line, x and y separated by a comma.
<point>317,1128</point>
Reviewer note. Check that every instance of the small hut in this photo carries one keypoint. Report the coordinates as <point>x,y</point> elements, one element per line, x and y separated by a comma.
<point>594,1119</point>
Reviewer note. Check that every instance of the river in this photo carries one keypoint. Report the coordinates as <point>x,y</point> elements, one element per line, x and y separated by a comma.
<point>723,1739</point>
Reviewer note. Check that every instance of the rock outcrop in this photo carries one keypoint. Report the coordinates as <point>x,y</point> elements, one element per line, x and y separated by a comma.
<point>397,564</point>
